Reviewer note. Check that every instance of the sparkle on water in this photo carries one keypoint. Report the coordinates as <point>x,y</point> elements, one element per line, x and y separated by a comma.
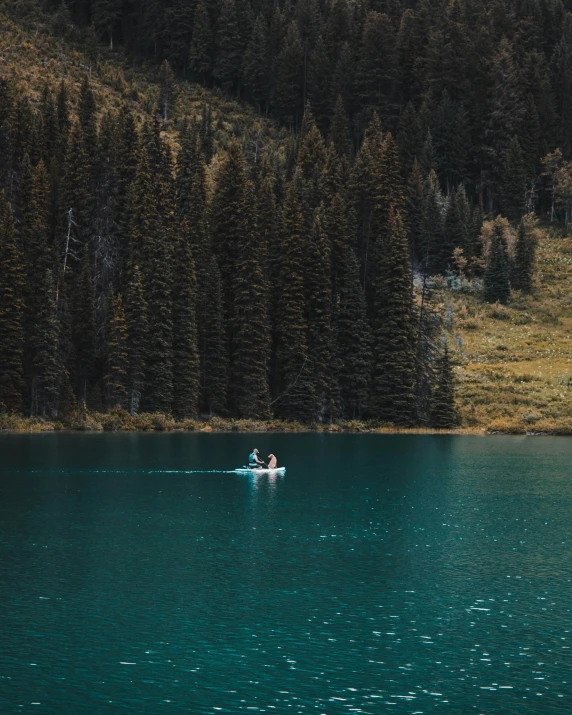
<point>382,574</point>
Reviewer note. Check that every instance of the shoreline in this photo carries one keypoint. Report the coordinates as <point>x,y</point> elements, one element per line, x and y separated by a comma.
<point>122,422</point>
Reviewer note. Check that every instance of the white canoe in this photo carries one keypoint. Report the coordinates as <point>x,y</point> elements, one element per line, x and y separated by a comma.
<point>245,470</point>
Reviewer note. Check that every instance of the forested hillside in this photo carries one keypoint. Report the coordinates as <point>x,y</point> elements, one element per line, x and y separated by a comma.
<point>250,209</point>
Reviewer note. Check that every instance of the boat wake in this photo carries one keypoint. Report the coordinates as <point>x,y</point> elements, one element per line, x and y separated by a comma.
<point>71,470</point>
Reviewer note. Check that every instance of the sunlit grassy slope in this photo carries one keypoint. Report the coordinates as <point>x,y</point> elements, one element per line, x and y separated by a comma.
<point>515,363</point>
<point>32,56</point>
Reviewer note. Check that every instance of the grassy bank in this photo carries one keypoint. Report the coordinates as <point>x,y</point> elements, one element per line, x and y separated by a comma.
<point>514,372</point>
<point>120,421</point>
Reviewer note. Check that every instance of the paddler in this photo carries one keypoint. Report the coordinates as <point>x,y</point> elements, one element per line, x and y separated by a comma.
<point>254,462</point>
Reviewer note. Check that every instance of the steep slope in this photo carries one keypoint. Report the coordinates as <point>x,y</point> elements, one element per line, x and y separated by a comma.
<point>32,55</point>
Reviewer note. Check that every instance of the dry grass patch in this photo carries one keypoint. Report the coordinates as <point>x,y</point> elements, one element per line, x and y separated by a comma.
<point>515,361</point>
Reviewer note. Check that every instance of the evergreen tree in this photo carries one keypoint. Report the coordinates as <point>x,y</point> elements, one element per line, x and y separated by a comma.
<point>63,120</point>
<point>377,72</point>
<point>354,341</point>
<point>410,54</point>
<point>46,367</point>
<point>68,401</point>
<point>142,210</point>
<point>507,108</point>
<point>363,188</point>
<point>453,235</point>
<point>443,412</point>
<point>410,138</point>
<point>228,224</point>
<point>214,364</point>
<point>185,348</point>
<point>525,257</point>
<point>11,313</point>
<point>87,114</point>
<point>106,243</point>
<point>308,172</point>
<point>513,182</point>
<point>390,186</point>
<point>562,83</point>
<point>340,25</point>
<point>321,337</point>
<point>178,29</point>
<point>168,89</point>
<point>191,197</point>
<point>336,225</point>
<point>228,63</point>
<point>83,328</point>
<point>334,175</point>
<point>496,282</point>
<point>415,209</point>
<point>24,127</point>
<point>343,77</point>
<point>25,207</point>
<point>158,350</point>
<point>7,149</point>
<point>307,15</point>
<point>256,64</point>
<point>295,399</point>
<point>136,318</point>
<point>38,260</point>
<point>200,52</point>
<point>428,157</point>
<point>392,396</point>
<point>116,378</point>
<point>456,158</point>
<point>433,237</point>
<point>125,152</point>
<point>319,85</point>
<point>339,130</point>
<point>531,139</point>
<point>105,16</point>
<point>269,227</point>
<point>162,171</point>
<point>288,73</point>
<point>470,224</point>
<point>251,350</point>
<point>277,34</point>
<point>448,52</point>
<point>74,205</point>
<point>456,229</point>
<point>428,330</point>
<point>206,132</point>
<point>49,126</point>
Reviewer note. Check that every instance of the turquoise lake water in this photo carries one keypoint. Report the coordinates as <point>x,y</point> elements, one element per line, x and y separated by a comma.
<point>381,574</point>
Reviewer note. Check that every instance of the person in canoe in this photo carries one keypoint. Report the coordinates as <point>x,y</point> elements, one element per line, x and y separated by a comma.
<point>272,462</point>
<point>254,462</point>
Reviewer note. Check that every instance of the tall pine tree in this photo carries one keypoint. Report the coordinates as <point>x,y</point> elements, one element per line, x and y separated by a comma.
<point>496,282</point>
<point>251,350</point>
<point>185,348</point>
<point>11,313</point>
<point>214,352</point>
<point>392,397</point>
<point>354,341</point>
<point>295,399</point>
<point>136,317</point>
<point>443,412</point>
<point>116,378</point>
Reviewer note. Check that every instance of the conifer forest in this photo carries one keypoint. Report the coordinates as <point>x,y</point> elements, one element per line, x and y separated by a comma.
<point>147,265</point>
